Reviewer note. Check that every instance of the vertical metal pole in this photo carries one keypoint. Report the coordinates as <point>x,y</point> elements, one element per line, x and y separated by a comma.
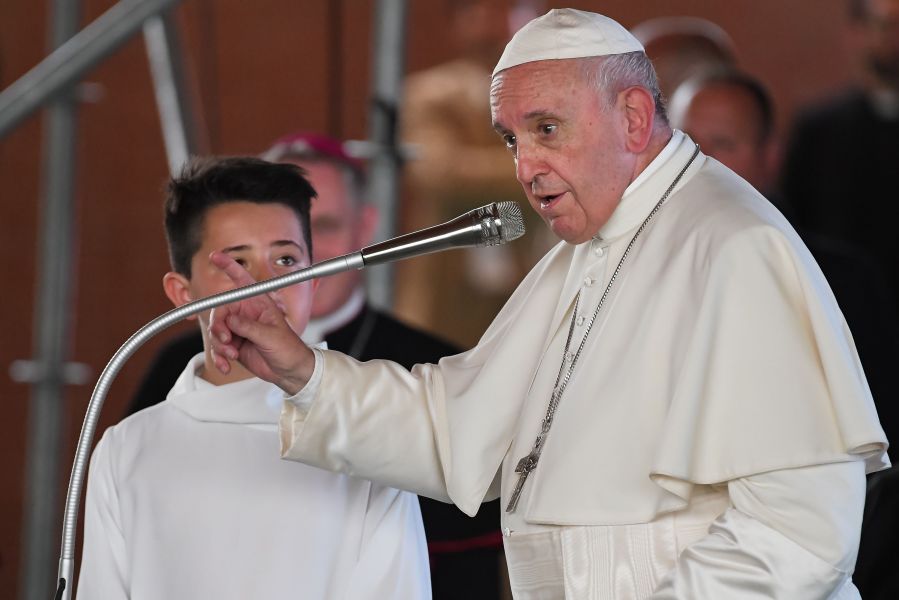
<point>51,330</point>
<point>173,97</point>
<point>384,168</point>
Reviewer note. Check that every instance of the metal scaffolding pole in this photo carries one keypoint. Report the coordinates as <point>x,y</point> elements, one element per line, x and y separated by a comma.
<point>51,330</point>
<point>180,130</point>
<point>53,80</point>
<point>70,61</point>
<point>386,161</point>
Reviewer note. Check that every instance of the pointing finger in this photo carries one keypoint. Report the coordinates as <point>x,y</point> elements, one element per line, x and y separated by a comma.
<point>238,275</point>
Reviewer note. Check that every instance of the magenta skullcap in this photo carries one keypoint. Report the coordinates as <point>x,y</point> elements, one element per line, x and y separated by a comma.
<point>312,146</point>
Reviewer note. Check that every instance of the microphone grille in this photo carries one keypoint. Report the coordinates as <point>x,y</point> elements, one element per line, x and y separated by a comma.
<point>511,219</point>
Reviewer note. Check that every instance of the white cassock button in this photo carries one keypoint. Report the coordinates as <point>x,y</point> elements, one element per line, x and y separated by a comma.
<point>569,356</point>
<point>599,250</point>
<point>589,281</point>
<point>580,320</point>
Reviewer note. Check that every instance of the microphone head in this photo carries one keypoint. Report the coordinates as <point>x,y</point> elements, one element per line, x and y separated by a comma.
<point>511,220</point>
<point>500,222</point>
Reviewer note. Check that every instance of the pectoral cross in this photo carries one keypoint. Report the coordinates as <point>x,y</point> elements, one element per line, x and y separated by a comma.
<point>524,468</point>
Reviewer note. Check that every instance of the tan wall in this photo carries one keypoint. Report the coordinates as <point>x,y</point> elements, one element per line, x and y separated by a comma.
<point>263,69</point>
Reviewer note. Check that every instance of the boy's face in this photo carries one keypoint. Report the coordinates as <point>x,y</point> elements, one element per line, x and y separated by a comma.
<point>266,239</point>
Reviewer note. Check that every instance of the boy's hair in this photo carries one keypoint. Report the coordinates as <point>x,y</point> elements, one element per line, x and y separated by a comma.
<point>208,182</point>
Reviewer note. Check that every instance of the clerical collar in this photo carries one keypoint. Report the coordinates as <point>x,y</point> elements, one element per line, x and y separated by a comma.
<point>317,329</point>
<point>642,194</point>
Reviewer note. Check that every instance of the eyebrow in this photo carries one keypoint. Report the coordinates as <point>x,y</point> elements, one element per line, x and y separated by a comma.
<point>534,114</point>
<point>276,243</point>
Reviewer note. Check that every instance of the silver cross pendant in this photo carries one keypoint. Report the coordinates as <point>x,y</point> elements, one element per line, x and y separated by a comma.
<point>524,468</point>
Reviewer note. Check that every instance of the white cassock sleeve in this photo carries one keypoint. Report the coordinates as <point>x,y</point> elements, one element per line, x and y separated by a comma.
<point>791,534</point>
<point>392,560</point>
<point>104,572</point>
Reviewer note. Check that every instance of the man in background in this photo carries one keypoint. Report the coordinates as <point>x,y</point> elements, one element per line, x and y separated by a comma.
<point>840,165</point>
<point>465,553</point>
<point>680,47</point>
<point>731,116</point>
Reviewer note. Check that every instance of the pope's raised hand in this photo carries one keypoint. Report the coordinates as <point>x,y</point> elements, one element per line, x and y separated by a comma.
<point>255,333</point>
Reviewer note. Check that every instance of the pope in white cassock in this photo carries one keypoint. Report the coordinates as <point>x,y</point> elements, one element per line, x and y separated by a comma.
<point>670,405</point>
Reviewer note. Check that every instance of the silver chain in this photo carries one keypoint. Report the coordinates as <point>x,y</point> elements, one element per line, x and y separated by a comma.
<point>529,462</point>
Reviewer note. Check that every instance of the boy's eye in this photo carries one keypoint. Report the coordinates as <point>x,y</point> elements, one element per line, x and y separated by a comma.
<point>241,262</point>
<point>286,261</point>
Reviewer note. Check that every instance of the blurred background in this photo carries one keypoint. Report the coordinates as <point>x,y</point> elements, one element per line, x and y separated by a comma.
<point>254,71</point>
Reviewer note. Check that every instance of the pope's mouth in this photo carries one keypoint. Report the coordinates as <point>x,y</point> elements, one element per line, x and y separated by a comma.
<point>548,200</point>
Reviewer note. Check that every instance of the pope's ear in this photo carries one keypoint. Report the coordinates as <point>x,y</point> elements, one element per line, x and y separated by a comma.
<point>177,288</point>
<point>640,111</point>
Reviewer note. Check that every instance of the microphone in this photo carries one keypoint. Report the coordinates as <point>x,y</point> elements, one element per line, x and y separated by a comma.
<point>489,225</point>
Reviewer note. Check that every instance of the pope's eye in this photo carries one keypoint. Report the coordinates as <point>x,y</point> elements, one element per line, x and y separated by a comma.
<point>548,128</point>
<point>509,140</point>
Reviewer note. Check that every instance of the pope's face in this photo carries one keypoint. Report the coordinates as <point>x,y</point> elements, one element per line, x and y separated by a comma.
<point>568,146</point>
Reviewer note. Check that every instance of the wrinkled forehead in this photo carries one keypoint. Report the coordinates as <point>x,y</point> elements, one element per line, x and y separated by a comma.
<point>536,83</point>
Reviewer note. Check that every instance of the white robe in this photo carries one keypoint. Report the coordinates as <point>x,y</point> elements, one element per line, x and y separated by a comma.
<point>719,357</point>
<point>188,499</point>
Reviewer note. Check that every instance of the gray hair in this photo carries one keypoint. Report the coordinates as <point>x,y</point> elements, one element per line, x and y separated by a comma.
<point>611,74</point>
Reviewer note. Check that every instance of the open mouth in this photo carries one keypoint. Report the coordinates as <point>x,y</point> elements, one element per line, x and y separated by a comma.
<point>548,200</point>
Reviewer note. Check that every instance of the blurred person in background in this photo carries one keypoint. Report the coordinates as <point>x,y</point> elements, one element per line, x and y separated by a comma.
<point>841,160</point>
<point>680,47</point>
<point>731,116</point>
<point>460,164</point>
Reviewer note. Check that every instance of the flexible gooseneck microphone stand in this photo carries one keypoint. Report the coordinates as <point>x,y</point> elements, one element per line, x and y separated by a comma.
<point>489,225</point>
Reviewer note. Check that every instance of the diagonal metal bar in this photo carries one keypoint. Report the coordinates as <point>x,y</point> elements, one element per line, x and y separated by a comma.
<point>177,109</point>
<point>70,61</point>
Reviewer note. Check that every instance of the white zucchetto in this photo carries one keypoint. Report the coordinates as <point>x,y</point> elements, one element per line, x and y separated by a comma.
<point>567,33</point>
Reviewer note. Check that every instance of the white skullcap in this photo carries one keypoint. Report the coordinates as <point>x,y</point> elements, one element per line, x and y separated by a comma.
<point>567,33</point>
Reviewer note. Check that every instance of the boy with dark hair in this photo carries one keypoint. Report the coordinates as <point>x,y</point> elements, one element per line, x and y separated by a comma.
<point>188,499</point>
<point>464,553</point>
